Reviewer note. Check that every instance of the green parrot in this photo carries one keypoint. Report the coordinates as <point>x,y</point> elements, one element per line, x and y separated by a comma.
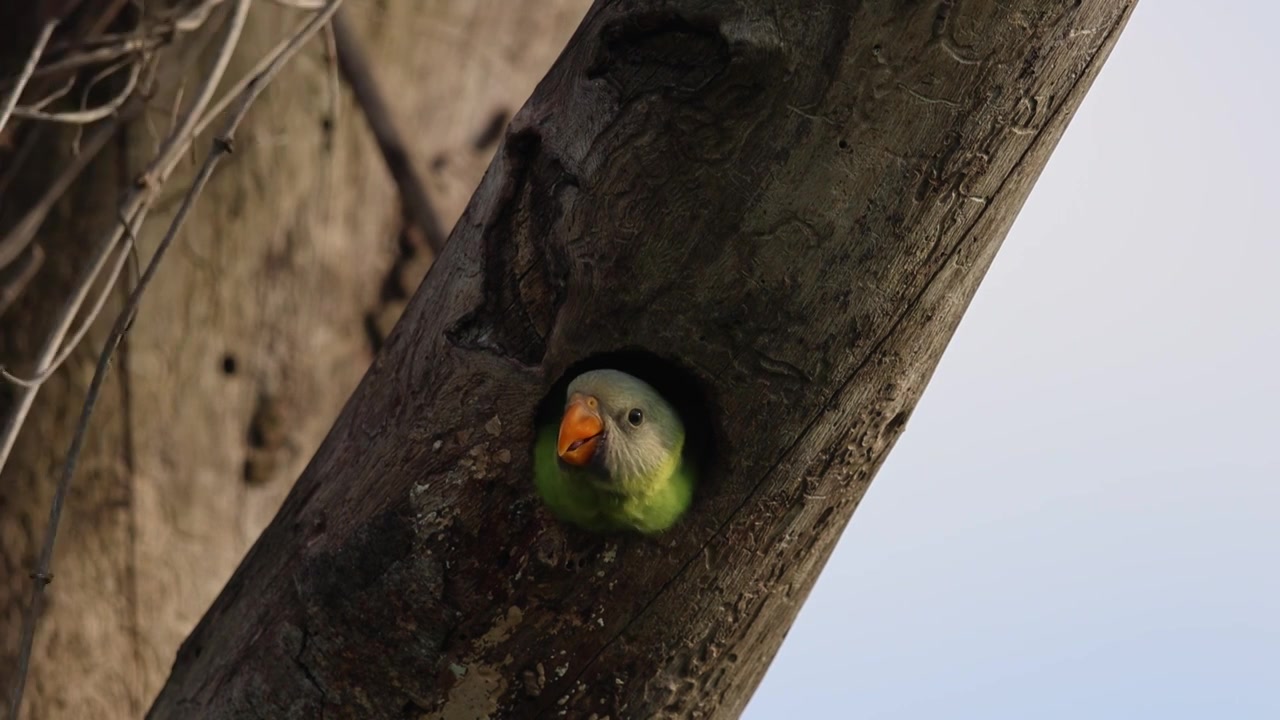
<point>617,460</point>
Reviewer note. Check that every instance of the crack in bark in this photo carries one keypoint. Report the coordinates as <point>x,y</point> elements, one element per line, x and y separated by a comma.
<point>302,665</point>
<point>520,305</point>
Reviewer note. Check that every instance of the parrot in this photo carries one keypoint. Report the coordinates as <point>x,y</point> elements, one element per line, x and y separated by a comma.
<point>617,461</point>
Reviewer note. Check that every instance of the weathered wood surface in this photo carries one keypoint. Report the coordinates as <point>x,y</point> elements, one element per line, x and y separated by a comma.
<point>250,340</point>
<point>794,201</point>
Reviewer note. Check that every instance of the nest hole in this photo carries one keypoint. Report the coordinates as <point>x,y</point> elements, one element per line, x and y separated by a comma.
<point>688,393</point>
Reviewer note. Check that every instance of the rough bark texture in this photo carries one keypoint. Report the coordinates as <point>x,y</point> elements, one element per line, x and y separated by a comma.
<point>793,202</point>
<point>252,337</point>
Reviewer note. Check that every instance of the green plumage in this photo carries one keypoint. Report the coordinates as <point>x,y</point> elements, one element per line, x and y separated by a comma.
<point>643,481</point>
<point>574,496</point>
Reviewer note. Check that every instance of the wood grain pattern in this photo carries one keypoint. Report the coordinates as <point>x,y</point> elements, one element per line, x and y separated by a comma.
<point>796,203</point>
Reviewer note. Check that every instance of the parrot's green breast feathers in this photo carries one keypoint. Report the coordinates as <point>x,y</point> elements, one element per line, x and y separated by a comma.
<point>575,497</point>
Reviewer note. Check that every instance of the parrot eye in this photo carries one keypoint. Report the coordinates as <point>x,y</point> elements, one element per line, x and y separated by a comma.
<point>635,417</point>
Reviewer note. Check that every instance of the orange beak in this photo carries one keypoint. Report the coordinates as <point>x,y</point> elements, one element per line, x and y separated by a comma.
<point>580,430</point>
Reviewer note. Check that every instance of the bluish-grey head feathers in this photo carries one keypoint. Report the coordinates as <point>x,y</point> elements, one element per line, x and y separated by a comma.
<point>642,433</point>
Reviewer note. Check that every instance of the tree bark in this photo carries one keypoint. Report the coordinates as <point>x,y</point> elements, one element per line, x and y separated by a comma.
<point>792,203</point>
<point>254,333</point>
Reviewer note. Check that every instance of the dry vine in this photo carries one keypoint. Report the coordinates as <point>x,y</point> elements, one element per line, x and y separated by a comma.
<point>120,241</point>
<point>50,73</point>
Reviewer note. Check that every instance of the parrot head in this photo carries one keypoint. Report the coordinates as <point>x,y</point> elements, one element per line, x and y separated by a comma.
<point>619,427</point>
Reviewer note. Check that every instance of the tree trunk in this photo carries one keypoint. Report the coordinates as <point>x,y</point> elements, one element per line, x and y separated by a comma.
<point>253,335</point>
<point>792,203</point>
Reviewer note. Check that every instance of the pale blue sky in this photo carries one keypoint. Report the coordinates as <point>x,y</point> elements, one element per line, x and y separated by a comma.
<point>1083,517</point>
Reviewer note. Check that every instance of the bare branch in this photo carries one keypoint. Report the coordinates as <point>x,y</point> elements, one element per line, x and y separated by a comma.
<point>28,70</point>
<point>359,75</point>
<point>84,117</point>
<point>101,23</point>
<point>54,96</point>
<point>239,87</point>
<point>24,231</point>
<point>300,4</point>
<point>30,142</point>
<point>127,250</point>
<point>123,48</point>
<point>196,16</point>
<point>135,206</point>
<point>335,76</point>
<point>20,273</point>
<point>221,147</point>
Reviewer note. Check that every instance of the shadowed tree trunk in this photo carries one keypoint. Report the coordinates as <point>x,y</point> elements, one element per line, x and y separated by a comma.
<point>792,202</point>
<point>253,335</point>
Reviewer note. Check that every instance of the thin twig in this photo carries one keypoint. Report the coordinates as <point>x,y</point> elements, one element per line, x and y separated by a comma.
<point>145,64</point>
<point>20,273</point>
<point>127,249</point>
<point>88,47</point>
<point>135,205</point>
<point>28,70</point>
<point>22,233</point>
<point>222,146</point>
<point>30,141</point>
<point>300,4</point>
<point>81,36</point>
<point>130,46</point>
<point>44,573</point>
<point>335,77</point>
<point>364,86</point>
<point>196,16</point>
<point>181,137</point>
<point>84,117</point>
<point>239,87</point>
<point>103,21</point>
<point>54,96</point>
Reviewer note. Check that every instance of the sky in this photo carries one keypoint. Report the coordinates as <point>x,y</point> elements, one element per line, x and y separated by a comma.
<point>1082,519</point>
